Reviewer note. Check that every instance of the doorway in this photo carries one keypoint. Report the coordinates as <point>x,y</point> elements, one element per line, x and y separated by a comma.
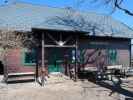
<point>59,59</point>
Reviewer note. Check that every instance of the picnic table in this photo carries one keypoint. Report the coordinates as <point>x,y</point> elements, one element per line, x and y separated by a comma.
<point>115,70</point>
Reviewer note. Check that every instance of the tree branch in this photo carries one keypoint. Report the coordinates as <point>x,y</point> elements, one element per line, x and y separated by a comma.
<point>117,5</point>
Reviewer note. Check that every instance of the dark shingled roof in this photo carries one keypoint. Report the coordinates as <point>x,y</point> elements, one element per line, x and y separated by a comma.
<point>22,16</point>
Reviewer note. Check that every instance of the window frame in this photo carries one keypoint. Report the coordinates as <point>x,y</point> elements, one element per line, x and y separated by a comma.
<point>111,53</point>
<point>24,50</point>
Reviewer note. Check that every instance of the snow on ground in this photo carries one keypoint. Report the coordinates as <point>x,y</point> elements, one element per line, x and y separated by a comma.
<point>57,88</point>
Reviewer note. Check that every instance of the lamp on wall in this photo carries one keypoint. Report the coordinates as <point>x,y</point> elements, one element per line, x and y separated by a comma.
<point>61,43</point>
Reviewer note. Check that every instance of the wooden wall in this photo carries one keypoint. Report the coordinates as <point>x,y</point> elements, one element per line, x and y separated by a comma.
<point>108,47</point>
<point>14,62</point>
<point>89,49</point>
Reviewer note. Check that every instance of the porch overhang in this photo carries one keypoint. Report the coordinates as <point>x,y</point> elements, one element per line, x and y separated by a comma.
<point>53,38</point>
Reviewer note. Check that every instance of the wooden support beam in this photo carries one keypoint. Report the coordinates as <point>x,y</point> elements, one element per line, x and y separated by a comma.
<point>5,66</point>
<point>76,60</point>
<point>43,44</point>
<point>130,63</point>
<point>37,66</point>
<point>43,62</point>
<point>64,46</point>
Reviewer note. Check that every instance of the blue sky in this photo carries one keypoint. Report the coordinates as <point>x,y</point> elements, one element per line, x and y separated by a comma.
<point>119,15</point>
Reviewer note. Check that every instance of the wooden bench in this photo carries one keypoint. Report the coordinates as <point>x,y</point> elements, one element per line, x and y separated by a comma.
<point>114,67</point>
<point>16,77</point>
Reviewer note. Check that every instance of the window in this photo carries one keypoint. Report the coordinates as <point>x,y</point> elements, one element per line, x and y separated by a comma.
<point>112,54</point>
<point>29,57</point>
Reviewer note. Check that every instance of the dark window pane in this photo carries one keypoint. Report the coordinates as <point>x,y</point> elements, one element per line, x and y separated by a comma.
<point>30,57</point>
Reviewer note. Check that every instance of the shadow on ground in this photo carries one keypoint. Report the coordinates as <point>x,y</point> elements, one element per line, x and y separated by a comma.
<point>115,88</point>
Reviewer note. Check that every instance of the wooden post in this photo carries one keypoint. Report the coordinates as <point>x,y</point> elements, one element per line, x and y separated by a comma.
<point>130,63</point>
<point>76,60</point>
<point>5,66</point>
<point>43,62</point>
<point>36,75</point>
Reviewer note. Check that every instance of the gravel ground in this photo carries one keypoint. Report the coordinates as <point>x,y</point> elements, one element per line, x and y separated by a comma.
<point>59,89</point>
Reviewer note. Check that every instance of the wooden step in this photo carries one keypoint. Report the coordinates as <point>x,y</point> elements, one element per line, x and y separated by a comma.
<point>15,77</point>
<point>21,74</point>
<point>26,73</point>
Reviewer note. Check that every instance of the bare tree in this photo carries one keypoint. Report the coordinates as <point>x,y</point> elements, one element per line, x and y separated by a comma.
<point>75,21</point>
<point>14,39</point>
<point>115,4</point>
<point>9,39</point>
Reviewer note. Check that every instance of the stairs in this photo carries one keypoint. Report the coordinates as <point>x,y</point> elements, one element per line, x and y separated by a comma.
<point>55,78</point>
<point>20,77</point>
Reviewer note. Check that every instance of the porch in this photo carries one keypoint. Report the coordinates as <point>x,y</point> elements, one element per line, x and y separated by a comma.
<point>57,52</point>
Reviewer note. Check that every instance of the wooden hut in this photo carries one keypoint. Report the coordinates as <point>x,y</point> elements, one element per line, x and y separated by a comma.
<point>64,36</point>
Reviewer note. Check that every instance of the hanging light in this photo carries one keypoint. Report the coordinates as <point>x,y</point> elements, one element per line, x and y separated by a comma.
<point>60,43</point>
